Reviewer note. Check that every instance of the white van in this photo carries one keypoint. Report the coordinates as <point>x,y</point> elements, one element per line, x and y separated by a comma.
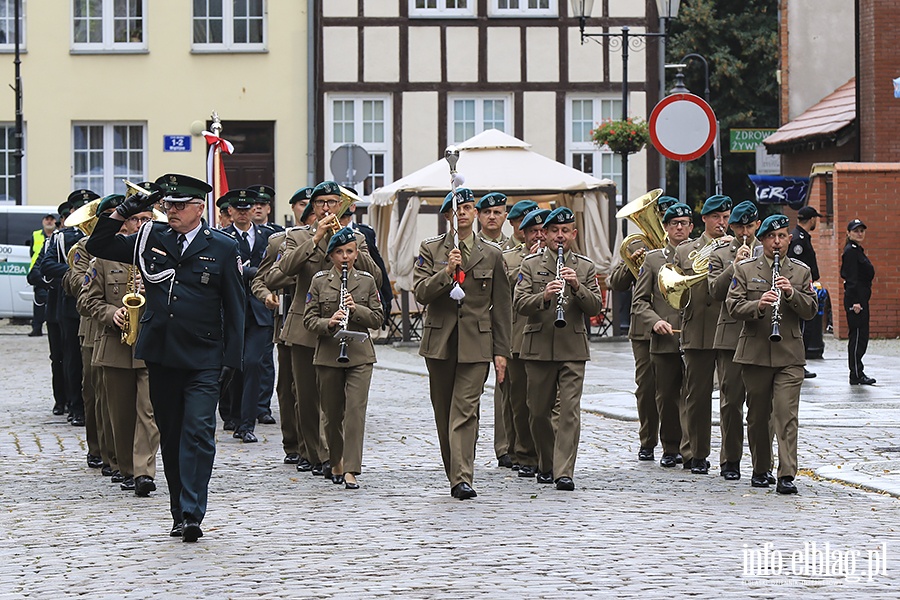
<point>16,225</point>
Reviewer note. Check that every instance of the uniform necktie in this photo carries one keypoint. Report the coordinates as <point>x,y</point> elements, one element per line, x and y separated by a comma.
<point>464,249</point>
<point>245,244</point>
<point>182,242</point>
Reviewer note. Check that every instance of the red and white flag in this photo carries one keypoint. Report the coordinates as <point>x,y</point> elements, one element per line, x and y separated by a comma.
<point>215,171</point>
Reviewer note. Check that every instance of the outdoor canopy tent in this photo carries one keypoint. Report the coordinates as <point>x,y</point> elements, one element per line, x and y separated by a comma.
<point>492,161</point>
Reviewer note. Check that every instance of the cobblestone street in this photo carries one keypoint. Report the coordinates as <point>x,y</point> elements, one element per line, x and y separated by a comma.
<point>630,529</point>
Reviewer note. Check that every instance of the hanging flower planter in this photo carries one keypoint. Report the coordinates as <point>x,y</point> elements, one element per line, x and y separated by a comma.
<point>622,137</point>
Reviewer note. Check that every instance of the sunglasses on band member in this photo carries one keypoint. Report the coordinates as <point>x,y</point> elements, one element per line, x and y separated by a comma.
<point>166,205</point>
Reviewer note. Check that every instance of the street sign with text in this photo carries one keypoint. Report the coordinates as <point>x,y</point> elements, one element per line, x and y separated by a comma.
<point>176,143</point>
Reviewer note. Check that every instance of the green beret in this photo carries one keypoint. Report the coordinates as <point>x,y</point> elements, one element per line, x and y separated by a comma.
<point>463,195</point>
<point>744,214</point>
<point>560,216</point>
<point>679,209</point>
<point>79,198</point>
<point>491,200</point>
<point>238,198</point>
<point>182,187</point>
<point>535,217</point>
<point>264,193</point>
<point>109,202</point>
<point>521,208</point>
<point>772,223</point>
<point>664,202</point>
<point>341,238</point>
<point>306,212</point>
<point>301,194</point>
<point>64,209</point>
<point>326,188</point>
<point>717,203</point>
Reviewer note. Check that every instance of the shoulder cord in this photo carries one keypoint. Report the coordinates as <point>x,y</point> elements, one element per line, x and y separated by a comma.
<point>139,247</point>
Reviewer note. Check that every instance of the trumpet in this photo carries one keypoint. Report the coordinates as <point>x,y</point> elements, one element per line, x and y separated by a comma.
<point>344,335</point>
<point>347,198</point>
<point>560,295</point>
<point>775,336</point>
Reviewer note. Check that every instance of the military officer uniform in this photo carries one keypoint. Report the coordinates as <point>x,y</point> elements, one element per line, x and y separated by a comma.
<point>801,248</point>
<point>492,200</point>
<point>515,215</point>
<point>343,387</point>
<point>698,334</point>
<point>772,371</point>
<point>555,357</point>
<point>191,336</point>
<point>54,334</point>
<point>461,339</point>
<point>858,273</point>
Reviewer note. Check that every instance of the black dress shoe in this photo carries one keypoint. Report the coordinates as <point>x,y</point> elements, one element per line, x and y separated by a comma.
<point>143,485</point>
<point>565,483</point>
<point>505,462</point>
<point>759,480</point>
<point>106,471</point>
<point>337,478</point>
<point>35,333</point>
<point>59,410</point>
<point>229,426</point>
<point>78,421</point>
<point>248,437</point>
<point>516,466</point>
<point>862,380</point>
<point>645,454</point>
<point>266,419</point>
<point>770,478</point>
<point>545,477</point>
<point>191,531</point>
<point>679,459</point>
<point>699,466</point>
<point>317,469</point>
<point>117,477</point>
<point>177,529</point>
<point>237,434</point>
<point>304,465</point>
<point>527,471</point>
<point>667,461</point>
<point>808,374</point>
<point>731,471</point>
<point>352,485</point>
<point>463,491</point>
<point>291,459</point>
<point>786,485</point>
<point>326,470</point>
<point>127,485</point>
<point>94,461</point>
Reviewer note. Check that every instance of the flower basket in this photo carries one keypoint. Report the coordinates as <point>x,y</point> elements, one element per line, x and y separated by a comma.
<point>622,137</point>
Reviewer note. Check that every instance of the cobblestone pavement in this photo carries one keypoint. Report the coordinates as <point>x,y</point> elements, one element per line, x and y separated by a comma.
<point>630,529</point>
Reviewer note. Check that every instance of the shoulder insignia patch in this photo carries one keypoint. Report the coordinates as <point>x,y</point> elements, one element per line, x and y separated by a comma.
<point>798,249</point>
<point>733,282</point>
<point>520,277</point>
<point>420,260</point>
<point>240,266</point>
<point>308,297</point>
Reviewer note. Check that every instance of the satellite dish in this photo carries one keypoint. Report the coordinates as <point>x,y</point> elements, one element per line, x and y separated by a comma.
<point>350,164</point>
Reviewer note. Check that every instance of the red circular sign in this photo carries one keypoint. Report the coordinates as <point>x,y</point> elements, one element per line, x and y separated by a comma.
<point>683,127</point>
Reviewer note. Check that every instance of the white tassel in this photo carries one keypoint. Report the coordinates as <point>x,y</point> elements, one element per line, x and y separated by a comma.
<point>457,293</point>
<point>458,179</point>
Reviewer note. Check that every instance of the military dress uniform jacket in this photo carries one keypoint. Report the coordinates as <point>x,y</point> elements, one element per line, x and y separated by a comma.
<point>542,339</point>
<point>801,249</point>
<point>513,259</point>
<point>284,285</point>
<point>104,287</point>
<point>649,306</point>
<point>323,301</point>
<point>701,314</point>
<point>54,266</point>
<point>194,318</point>
<point>73,283</point>
<point>858,273</point>
<point>384,288</point>
<point>256,308</point>
<point>500,242</point>
<point>301,258</point>
<point>721,273</point>
<point>620,280</point>
<point>484,318</point>
<point>753,278</point>
<point>511,244</point>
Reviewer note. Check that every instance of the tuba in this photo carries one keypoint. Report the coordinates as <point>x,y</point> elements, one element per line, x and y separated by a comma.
<point>85,218</point>
<point>643,213</point>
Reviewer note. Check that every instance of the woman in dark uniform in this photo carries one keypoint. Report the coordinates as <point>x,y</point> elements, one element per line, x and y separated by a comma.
<point>857,272</point>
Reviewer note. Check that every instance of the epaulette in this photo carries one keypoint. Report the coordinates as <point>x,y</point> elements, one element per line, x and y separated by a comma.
<point>434,239</point>
<point>493,244</point>
<point>511,250</point>
<point>366,273</point>
<point>215,231</point>
<point>654,251</point>
<point>688,241</point>
<point>267,227</point>
<point>749,260</point>
<point>583,257</point>
<point>296,227</point>
<point>799,262</point>
<point>320,274</point>
<point>278,234</point>
<point>532,255</point>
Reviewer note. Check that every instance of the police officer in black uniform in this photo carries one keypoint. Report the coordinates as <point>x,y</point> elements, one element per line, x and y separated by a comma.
<point>857,272</point>
<point>802,250</point>
<point>192,331</point>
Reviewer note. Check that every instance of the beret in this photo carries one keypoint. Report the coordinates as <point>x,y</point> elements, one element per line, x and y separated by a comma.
<point>326,188</point>
<point>521,208</point>
<point>679,209</point>
<point>306,212</point>
<point>463,195</point>
<point>717,203</point>
<point>238,198</point>
<point>491,200</point>
<point>301,194</point>
<point>770,224</point>
<point>79,198</point>
<point>535,217</point>
<point>342,237</point>
<point>664,202</point>
<point>183,187</point>
<point>108,202</point>
<point>855,224</point>
<point>560,216</point>
<point>744,213</point>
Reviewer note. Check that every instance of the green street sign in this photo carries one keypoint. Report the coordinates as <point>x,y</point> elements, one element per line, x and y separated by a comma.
<point>746,140</point>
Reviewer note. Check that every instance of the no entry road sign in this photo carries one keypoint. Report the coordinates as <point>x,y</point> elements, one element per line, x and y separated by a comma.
<point>683,127</point>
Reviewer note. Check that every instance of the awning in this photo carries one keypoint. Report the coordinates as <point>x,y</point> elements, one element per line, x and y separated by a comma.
<point>830,122</point>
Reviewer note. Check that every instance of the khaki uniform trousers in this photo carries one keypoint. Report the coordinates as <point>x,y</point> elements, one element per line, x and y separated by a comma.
<point>504,428</point>
<point>645,394</point>
<point>731,408</point>
<point>135,434</point>
<point>456,390</point>
<point>773,392</point>
<point>698,373</point>
<point>517,384</point>
<point>669,370</point>
<point>551,383</point>
<point>93,377</point>
<point>93,423</point>
<point>345,395</point>
<point>287,402</point>
<point>309,412</point>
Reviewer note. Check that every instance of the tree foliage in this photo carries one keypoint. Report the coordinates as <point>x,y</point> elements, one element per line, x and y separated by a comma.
<point>739,39</point>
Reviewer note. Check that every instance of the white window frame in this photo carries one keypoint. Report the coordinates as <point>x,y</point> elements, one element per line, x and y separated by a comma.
<point>10,46</point>
<point>440,10</point>
<point>502,8</point>
<point>107,44</point>
<point>383,148</point>
<point>602,107</point>
<point>479,100</point>
<point>6,128</point>
<point>112,181</point>
<point>228,44</point>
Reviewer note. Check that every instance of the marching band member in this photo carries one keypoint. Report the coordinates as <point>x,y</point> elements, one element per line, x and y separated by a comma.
<point>491,215</point>
<point>515,216</point>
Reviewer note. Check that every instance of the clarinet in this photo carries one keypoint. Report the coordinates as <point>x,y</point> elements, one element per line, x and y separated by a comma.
<point>560,295</point>
<point>342,356</point>
<point>775,336</point>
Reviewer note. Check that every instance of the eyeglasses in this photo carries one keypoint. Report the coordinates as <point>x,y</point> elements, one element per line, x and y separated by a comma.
<point>176,205</point>
<point>139,220</point>
<point>329,203</point>
<point>680,223</point>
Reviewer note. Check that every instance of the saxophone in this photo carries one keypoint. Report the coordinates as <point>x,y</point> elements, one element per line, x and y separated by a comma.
<point>133,302</point>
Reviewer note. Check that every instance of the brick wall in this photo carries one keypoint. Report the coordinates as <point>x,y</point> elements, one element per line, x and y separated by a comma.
<point>879,50</point>
<point>865,191</point>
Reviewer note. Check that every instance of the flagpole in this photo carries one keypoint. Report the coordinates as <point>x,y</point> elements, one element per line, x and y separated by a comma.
<point>217,168</point>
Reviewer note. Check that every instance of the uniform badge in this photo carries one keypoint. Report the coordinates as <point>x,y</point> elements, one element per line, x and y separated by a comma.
<point>308,297</point>
<point>204,278</point>
<point>519,278</point>
<point>77,256</point>
<point>87,279</point>
<point>420,260</point>
<point>798,249</point>
<point>240,265</point>
<point>158,251</point>
<point>733,282</point>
